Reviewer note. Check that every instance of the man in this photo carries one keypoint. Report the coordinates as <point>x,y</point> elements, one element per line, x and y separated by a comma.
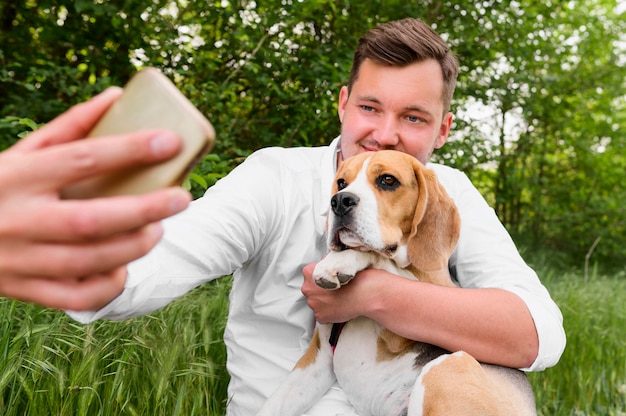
<point>266,221</point>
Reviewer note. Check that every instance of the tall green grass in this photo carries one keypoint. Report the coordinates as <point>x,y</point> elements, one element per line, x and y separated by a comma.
<point>590,378</point>
<point>167,363</point>
<point>172,362</point>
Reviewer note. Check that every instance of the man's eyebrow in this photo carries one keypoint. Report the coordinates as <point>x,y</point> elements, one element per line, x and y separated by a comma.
<point>370,98</point>
<point>418,108</point>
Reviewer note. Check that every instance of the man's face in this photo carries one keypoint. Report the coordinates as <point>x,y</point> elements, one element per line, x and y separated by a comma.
<point>397,108</point>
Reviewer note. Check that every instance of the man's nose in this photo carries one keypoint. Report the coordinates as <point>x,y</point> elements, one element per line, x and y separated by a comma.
<point>387,132</point>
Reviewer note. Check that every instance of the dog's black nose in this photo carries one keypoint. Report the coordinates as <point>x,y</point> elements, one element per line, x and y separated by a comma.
<point>343,202</point>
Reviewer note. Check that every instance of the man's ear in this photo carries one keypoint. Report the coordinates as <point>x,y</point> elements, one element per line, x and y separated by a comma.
<point>343,102</point>
<point>444,130</point>
<point>436,224</point>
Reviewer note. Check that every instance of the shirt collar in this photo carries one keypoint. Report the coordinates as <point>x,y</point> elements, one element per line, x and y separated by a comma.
<point>328,169</point>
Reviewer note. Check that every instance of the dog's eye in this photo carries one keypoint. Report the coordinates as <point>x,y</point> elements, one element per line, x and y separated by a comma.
<point>341,183</point>
<point>387,182</point>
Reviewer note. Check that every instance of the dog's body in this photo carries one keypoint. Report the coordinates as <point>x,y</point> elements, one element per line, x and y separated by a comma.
<point>389,212</point>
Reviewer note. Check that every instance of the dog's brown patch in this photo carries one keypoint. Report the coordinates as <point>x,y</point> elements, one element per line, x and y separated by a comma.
<point>310,355</point>
<point>390,345</point>
<point>467,395</point>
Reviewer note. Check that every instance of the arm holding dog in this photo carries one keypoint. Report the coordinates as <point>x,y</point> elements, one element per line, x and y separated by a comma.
<point>414,310</point>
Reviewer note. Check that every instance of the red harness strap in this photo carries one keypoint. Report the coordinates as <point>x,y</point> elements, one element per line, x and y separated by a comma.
<point>334,335</point>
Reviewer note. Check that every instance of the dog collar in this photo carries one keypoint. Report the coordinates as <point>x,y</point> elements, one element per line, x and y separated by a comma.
<point>334,335</point>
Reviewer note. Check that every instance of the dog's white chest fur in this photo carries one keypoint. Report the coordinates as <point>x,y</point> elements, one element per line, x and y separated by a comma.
<point>375,387</point>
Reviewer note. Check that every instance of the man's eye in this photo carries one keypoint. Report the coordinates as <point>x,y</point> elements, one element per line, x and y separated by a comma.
<point>414,119</point>
<point>387,182</point>
<point>341,183</point>
<point>367,108</point>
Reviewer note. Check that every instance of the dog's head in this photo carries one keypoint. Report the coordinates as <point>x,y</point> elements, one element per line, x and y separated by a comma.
<point>388,202</point>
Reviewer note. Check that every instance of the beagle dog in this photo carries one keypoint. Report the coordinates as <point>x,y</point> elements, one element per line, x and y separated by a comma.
<point>389,212</point>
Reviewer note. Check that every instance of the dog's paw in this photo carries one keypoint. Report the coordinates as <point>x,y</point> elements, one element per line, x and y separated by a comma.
<point>338,268</point>
<point>330,279</point>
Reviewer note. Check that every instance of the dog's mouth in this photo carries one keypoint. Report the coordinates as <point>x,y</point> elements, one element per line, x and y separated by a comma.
<point>346,239</point>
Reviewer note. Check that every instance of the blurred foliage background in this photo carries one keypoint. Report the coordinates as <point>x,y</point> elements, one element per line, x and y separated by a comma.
<point>540,105</point>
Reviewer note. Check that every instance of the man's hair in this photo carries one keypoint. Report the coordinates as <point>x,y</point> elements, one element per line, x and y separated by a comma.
<point>403,42</point>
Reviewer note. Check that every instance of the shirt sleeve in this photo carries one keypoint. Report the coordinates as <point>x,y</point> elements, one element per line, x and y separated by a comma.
<point>214,237</point>
<point>486,256</point>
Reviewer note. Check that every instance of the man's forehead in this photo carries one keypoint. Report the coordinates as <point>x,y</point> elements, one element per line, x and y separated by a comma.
<point>415,87</point>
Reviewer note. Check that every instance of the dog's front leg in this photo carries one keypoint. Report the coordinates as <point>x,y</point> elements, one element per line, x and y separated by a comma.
<point>339,267</point>
<point>310,379</point>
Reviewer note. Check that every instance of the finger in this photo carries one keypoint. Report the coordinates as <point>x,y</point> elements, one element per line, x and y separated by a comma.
<point>308,285</point>
<point>55,167</point>
<point>70,261</point>
<point>91,293</point>
<point>307,271</point>
<point>93,219</point>
<point>72,125</point>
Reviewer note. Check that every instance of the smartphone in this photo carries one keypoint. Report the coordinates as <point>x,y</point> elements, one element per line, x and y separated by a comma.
<point>149,101</point>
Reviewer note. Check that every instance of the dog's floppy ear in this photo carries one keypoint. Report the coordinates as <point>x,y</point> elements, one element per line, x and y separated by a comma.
<point>436,223</point>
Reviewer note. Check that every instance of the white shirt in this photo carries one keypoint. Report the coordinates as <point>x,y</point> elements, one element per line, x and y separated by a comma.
<point>263,223</point>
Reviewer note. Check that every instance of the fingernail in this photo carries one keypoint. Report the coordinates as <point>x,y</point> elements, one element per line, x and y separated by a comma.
<point>164,144</point>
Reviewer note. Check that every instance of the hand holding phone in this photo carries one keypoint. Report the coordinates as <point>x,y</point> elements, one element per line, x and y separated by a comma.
<point>150,101</point>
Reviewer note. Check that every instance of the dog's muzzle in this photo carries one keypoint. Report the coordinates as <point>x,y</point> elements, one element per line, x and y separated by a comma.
<point>343,206</point>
